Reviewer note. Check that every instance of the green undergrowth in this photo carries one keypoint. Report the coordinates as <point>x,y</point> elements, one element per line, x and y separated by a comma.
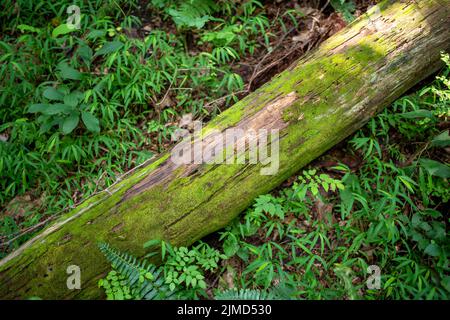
<point>368,220</point>
<point>78,107</point>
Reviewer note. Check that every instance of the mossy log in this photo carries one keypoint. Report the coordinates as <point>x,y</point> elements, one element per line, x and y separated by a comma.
<point>316,103</point>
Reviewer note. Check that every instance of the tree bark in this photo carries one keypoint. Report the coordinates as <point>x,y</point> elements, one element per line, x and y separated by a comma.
<point>316,103</point>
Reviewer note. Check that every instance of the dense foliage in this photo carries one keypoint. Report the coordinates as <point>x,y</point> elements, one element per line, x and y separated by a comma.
<point>81,106</point>
<point>377,200</point>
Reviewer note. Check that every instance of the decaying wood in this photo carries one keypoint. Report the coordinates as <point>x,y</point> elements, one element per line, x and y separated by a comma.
<point>317,102</point>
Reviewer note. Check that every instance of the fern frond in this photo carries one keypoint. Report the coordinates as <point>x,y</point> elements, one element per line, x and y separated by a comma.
<point>345,7</point>
<point>146,280</point>
<point>244,294</point>
<point>193,13</point>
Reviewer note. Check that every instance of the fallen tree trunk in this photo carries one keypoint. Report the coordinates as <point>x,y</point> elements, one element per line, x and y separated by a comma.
<point>317,102</point>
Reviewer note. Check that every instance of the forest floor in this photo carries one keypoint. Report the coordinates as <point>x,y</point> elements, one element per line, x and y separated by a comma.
<point>377,199</point>
<point>43,179</point>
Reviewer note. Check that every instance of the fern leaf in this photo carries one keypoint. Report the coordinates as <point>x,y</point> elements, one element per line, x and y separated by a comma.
<point>244,294</point>
<point>135,271</point>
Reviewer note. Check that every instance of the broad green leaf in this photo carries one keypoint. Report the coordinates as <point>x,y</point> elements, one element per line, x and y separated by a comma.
<point>230,246</point>
<point>152,243</point>
<point>433,250</point>
<point>109,47</point>
<point>314,189</point>
<point>67,72</point>
<point>90,121</point>
<point>56,108</point>
<point>85,53</point>
<point>53,94</point>
<point>72,99</point>
<point>301,193</point>
<point>62,29</point>
<point>442,140</point>
<point>39,107</point>
<point>149,275</point>
<point>188,280</point>
<point>25,27</point>
<point>188,20</point>
<point>94,34</point>
<point>417,114</point>
<point>70,123</point>
<point>202,284</point>
<point>435,168</point>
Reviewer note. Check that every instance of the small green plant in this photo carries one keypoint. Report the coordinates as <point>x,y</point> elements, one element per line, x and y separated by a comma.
<point>135,280</point>
<point>65,112</point>
<point>132,279</point>
<point>185,268</point>
<point>311,182</point>
<point>181,275</point>
<point>192,13</point>
<point>244,294</point>
<point>116,286</point>
<point>345,7</point>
